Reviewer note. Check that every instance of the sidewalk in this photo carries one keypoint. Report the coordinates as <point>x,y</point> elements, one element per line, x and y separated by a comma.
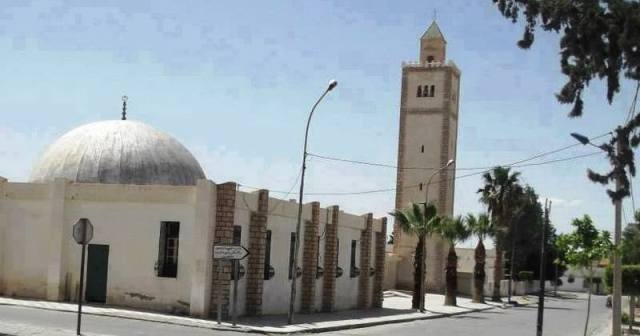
<point>396,309</point>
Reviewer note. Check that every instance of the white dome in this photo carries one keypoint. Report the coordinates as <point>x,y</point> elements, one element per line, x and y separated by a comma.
<point>118,152</point>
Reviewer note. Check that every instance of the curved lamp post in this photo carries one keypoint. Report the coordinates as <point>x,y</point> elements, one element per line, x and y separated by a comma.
<point>292,298</point>
<point>424,245</point>
<point>617,264</point>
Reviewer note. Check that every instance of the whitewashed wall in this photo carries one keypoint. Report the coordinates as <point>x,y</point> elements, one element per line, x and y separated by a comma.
<point>128,219</point>
<point>325,217</point>
<point>281,221</point>
<point>24,240</point>
<point>125,217</point>
<point>349,228</point>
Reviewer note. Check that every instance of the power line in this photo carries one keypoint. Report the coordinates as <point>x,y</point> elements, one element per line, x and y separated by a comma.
<point>375,164</point>
<point>442,180</point>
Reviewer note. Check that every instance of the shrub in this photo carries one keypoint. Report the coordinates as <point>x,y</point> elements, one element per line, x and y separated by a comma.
<point>625,318</point>
<point>525,275</point>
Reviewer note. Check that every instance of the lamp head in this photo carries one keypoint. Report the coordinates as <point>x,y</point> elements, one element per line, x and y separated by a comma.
<point>332,84</point>
<point>450,162</point>
<point>581,138</point>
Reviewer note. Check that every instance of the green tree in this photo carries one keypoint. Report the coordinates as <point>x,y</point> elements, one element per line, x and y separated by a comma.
<point>482,227</point>
<point>527,226</point>
<point>631,242</point>
<point>500,194</point>
<point>422,223</point>
<point>453,230</point>
<point>630,286</point>
<point>599,39</point>
<point>584,247</point>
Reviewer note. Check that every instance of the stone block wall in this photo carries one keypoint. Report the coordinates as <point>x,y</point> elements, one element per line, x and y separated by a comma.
<point>330,261</point>
<point>257,246</point>
<point>365,257</point>
<point>225,211</point>
<point>378,278</point>
<point>310,260</point>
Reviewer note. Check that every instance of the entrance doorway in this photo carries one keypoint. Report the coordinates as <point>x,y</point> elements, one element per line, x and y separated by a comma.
<point>97,267</point>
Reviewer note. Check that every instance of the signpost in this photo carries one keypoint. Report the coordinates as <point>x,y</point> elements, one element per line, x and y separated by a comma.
<point>82,233</point>
<point>234,253</point>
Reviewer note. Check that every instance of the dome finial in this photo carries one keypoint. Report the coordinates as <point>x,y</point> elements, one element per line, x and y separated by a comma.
<point>435,15</point>
<point>124,107</point>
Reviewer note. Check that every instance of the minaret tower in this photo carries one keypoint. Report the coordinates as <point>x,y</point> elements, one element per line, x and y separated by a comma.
<point>428,136</point>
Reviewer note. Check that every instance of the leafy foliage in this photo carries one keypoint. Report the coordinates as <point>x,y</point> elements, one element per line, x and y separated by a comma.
<point>454,230</point>
<point>526,229</point>
<point>481,226</point>
<point>630,279</point>
<point>585,245</point>
<point>500,193</point>
<point>416,221</point>
<point>631,242</point>
<point>599,39</point>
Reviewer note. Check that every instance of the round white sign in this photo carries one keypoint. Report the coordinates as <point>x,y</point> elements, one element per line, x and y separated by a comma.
<point>83,231</point>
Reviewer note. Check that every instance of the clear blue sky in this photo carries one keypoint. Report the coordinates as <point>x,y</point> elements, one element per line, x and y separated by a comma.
<point>234,81</point>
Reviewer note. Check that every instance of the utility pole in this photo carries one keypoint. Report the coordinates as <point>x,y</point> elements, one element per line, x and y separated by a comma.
<point>617,263</point>
<point>545,225</point>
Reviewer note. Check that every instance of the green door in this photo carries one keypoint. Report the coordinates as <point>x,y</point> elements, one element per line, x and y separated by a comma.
<point>97,263</point>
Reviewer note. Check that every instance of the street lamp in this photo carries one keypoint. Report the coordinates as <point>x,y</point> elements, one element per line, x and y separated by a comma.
<point>617,265</point>
<point>424,249</point>
<point>292,298</point>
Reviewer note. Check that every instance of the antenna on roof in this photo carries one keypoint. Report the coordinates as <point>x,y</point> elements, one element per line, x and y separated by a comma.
<point>124,107</point>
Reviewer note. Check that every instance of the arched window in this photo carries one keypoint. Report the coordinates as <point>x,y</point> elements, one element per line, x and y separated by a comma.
<point>432,91</point>
<point>419,94</point>
<point>429,59</point>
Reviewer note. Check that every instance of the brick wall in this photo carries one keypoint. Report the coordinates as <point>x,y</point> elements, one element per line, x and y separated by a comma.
<point>310,260</point>
<point>225,210</point>
<point>365,257</point>
<point>257,246</point>
<point>330,261</point>
<point>378,279</point>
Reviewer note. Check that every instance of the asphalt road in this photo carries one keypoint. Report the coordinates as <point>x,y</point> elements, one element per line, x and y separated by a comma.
<point>562,317</point>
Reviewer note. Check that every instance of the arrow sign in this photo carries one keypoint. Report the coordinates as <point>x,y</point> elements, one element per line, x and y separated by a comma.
<point>230,252</point>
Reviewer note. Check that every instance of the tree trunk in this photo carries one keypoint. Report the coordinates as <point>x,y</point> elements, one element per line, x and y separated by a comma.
<point>452,277</point>
<point>586,323</point>
<point>418,264</point>
<point>497,274</point>
<point>479,274</point>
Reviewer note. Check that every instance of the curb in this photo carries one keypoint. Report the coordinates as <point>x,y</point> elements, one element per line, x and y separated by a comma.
<point>273,330</point>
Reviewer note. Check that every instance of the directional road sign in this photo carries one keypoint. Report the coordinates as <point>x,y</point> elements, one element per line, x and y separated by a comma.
<point>230,252</point>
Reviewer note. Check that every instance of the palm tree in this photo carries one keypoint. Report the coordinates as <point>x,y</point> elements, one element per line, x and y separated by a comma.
<point>422,223</point>
<point>499,194</point>
<point>453,230</point>
<point>481,227</point>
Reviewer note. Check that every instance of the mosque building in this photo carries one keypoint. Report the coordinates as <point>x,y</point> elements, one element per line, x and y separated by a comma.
<point>156,219</point>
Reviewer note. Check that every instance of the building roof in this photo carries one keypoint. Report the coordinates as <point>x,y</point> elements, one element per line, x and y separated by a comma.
<point>118,152</point>
<point>433,32</point>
